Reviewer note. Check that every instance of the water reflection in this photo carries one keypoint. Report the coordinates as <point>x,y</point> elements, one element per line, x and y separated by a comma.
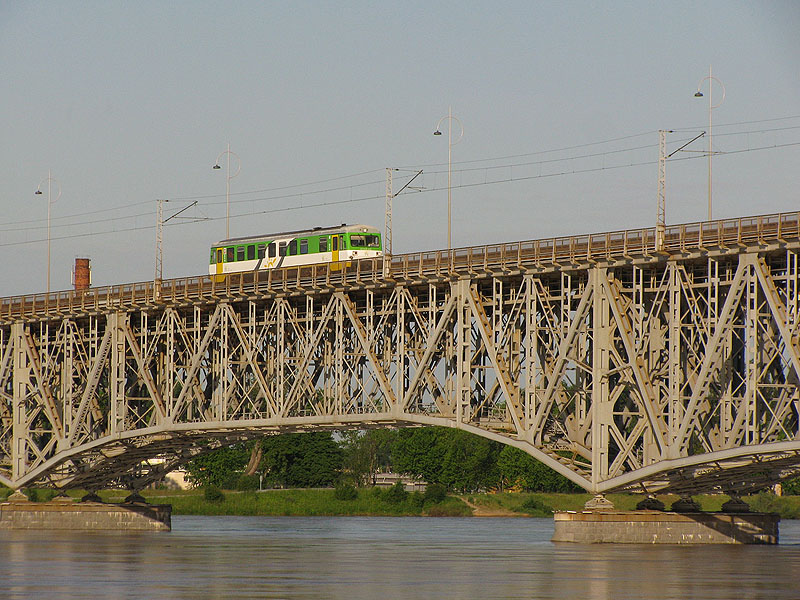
<point>354,558</point>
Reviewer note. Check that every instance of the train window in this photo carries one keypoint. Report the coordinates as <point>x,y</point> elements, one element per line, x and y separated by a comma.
<point>251,252</point>
<point>358,241</point>
<point>219,255</point>
<point>240,253</point>
<point>373,241</point>
<point>282,249</point>
<point>272,250</point>
<point>303,246</point>
<point>213,256</point>
<point>323,244</point>
<point>335,243</point>
<point>261,250</point>
<point>229,254</point>
<point>293,248</point>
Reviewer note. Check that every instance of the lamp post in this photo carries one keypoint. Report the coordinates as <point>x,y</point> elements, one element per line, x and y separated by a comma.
<point>50,180</point>
<point>450,143</point>
<point>711,106</point>
<point>228,185</point>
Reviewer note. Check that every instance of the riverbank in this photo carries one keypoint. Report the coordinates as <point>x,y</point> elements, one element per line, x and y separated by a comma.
<point>376,502</point>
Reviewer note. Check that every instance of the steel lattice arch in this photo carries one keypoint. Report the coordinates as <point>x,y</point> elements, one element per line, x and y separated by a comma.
<point>621,360</point>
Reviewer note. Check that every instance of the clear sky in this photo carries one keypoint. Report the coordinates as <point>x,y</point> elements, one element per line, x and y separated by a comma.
<point>127,102</point>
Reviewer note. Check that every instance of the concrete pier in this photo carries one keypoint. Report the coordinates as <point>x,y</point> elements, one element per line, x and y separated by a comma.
<point>655,527</point>
<point>66,514</point>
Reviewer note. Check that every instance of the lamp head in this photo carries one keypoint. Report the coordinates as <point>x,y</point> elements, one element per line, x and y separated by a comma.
<point>38,192</point>
<point>437,132</point>
<point>216,167</point>
<point>699,94</point>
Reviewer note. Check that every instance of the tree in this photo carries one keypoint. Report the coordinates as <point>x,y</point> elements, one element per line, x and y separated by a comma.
<point>366,452</point>
<point>419,452</point>
<point>470,461</point>
<point>220,467</point>
<point>791,487</point>
<point>454,458</point>
<point>519,468</point>
<point>301,459</point>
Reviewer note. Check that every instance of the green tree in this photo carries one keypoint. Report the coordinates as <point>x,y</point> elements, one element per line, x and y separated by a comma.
<point>366,452</point>
<point>420,452</point>
<point>220,468</point>
<point>453,458</point>
<point>791,487</point>
<point>301,459</point>
<point>470,461</point>
<point>519,468</point>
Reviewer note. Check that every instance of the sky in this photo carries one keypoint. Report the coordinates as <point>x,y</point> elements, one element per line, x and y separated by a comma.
<point>560,103</point>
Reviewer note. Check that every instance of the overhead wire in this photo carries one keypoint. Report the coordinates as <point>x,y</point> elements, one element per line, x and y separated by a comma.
<point>427,190</point>
<point>328,190</point>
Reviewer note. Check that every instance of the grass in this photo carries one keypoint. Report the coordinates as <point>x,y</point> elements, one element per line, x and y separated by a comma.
<point>296,502</point>
<point>543,504</point>
<point>372,502</point>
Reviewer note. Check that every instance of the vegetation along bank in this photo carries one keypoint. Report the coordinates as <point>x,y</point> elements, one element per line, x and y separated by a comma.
<point>334,474</point>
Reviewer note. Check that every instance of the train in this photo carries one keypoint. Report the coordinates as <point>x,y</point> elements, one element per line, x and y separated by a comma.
<point>320,245</point>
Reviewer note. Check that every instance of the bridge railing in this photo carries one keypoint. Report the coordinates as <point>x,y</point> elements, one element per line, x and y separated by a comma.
<point>559,251</point>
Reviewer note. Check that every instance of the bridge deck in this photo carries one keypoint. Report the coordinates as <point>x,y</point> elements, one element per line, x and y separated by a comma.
<point>540,254</point>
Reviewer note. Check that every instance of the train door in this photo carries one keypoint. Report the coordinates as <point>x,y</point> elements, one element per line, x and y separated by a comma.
<point>220,253</point>
<point>335,241</point>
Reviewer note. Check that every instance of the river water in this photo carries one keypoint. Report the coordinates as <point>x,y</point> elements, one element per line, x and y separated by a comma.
<point>383,558</point>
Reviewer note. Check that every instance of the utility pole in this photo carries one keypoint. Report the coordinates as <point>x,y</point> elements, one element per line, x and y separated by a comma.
<point>160,220</point>
<point>661,211</point>
<point>387,221</point>
<point>159,249</point>
<point>387,224</point>
<point>661,221</point>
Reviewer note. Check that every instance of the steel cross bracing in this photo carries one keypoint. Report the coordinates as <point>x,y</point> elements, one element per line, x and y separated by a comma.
<point>623,369</point>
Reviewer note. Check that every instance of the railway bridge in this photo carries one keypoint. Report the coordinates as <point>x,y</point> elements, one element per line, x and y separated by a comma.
<point>632,360</point>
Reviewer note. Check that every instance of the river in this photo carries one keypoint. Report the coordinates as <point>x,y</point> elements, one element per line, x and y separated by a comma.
<point>383,558</point>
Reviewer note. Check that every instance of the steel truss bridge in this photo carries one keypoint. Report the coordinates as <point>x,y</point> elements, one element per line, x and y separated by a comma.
<point>642,360</point>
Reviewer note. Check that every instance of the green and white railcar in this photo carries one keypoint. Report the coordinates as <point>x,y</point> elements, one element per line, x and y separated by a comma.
<point>295,248</point>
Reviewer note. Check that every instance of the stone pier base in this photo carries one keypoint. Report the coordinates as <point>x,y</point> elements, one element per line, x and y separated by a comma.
<point>654,527</point>
<point>65,514</point>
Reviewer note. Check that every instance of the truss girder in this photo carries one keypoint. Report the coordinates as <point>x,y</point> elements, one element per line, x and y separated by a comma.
<point>660,373</point>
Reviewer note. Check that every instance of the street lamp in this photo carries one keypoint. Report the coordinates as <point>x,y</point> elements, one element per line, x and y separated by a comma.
<point>450,143</point>
<point>711,106</point>
<point>228,186</point>
<point>50,180</point>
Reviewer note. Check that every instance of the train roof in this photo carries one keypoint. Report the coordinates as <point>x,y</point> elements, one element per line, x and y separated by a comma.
<point>343,228</point>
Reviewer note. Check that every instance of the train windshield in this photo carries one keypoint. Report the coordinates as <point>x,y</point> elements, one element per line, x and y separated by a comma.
<point>365,241</point>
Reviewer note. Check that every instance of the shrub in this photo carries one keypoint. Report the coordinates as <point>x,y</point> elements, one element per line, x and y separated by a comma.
<point>449,509</point>
<point>345,491</point>
<point>213,494</point>
<point>767,502</point>
<point>416,499</point>
<point>532,506</point>
<point>247,483</point>
<point>396,494</point>
<point>791,487</point>
<point>40,495</point>
<point>435,493</point>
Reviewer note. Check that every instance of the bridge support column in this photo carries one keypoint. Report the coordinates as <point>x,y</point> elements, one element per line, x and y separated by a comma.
<point>601,409</point>
<point>21,384</point>
<point>655,527</point>
<point>599,503</point>
<point>63,513</point>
